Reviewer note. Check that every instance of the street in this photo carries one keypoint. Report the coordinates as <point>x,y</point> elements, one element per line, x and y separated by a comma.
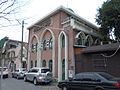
<point>14,84</point>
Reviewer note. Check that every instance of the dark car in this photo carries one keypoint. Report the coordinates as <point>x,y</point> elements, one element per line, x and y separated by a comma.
<point>19,73</point>
<point>91,81</point>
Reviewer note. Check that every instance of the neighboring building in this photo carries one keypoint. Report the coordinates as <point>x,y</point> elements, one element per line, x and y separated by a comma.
<point>13,55</point>
<point>101,58</point>
<point>52,41</point>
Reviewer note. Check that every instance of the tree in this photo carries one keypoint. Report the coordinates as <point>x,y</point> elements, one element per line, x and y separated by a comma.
<point>9,10</point>
<point>108,17</point>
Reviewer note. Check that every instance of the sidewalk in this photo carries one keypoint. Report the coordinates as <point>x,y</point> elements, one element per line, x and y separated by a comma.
<point>52,86</point>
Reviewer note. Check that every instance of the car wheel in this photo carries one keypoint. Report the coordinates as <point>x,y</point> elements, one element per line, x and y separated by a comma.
<point>12,76</point>
<point>6,76</point>
<point>25,78</point>
<point>35,81</point>
<point>17,77</point>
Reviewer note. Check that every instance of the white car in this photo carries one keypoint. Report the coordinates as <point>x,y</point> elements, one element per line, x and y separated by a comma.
<point>5,72</point>
<point>19,73</point>
<point>38,75</point>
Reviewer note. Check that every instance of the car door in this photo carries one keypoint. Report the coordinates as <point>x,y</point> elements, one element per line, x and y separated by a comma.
<point>90,81</point>
<point>84,82</point>
<point>77,83</point>
<point>28,74</point>
<point>32,74</point>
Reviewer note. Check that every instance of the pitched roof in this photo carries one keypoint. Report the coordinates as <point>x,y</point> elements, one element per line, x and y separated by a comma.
<point>68,11</point>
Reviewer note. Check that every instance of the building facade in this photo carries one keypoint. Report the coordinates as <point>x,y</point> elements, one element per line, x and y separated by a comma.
<point>100,58</point>
<point>52,41</point>
<point>13,55</point>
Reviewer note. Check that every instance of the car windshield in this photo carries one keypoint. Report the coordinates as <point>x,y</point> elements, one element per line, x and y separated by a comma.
<point>45,70</point>
<point>107,76</point>
<point>23,69</point>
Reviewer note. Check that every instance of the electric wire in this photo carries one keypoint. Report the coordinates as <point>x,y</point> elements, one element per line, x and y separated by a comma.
<point>111,54</point>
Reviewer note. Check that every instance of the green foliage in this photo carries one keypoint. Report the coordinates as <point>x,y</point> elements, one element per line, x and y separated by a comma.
<point>108,17</point>
<point>2,41</point>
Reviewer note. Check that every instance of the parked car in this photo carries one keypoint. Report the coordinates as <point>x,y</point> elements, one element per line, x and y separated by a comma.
<point>38,75</point>
<point>5,72</point>
<point>19,73</point>
<point>91,81</point>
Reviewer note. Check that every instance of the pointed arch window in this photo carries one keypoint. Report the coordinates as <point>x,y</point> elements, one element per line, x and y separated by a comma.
<point>31,64</point>
<point>80,37</point>
<point>79,40</point>
<point>51,43</point>
<point>44,63</point>
<point>97,42</point>
<point>88,41</point>
<point>50,65</point>
<point>63,41</point>
<point>44,44</point>
<point>34,47</point>
<point>35,63</point>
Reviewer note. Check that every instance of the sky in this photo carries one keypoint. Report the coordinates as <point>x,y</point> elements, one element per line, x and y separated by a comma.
<point>34,10</point>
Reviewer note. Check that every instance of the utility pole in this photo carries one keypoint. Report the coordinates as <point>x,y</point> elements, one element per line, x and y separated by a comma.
<point>22,44</point>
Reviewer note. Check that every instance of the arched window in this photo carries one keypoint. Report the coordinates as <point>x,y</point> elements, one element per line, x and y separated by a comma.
<point>88,41</point>
<point>31,64</point>
<point>13,53</point>
<point>79,40</point>
<point>34,47</point>
<point>44,44</point>
<point>44,63</point>
<point>80,37</point>
<point>97,42</point>
<point>51,43</point>
<point>35,63</point>
<point>50,65</point>
<point>63,41</point>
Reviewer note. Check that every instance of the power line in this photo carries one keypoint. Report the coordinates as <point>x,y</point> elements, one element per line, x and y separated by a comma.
<point>111,54</point>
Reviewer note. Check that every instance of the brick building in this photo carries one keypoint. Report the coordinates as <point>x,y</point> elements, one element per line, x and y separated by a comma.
<point>52,41</point>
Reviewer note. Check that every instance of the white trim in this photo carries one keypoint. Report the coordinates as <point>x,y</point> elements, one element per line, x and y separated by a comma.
<point>82,35</point>
<point>53,49</point>
<point>66,10</point>
<point>60,58</point>
<point>91,39</point>
<point>29,50</point>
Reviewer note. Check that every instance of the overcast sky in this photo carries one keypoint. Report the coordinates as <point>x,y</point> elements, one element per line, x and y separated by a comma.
<point>34,10</point>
